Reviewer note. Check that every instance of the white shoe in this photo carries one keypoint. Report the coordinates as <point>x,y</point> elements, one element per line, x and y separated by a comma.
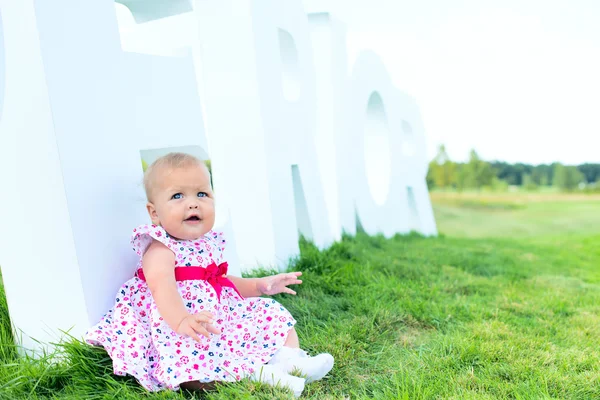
<point>313,368</point>
<point>274,376</point>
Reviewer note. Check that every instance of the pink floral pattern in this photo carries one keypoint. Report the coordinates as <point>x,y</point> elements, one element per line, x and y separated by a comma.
<point>141,343</point>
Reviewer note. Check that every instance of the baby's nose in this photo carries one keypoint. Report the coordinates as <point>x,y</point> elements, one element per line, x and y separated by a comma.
<point>192,206</point>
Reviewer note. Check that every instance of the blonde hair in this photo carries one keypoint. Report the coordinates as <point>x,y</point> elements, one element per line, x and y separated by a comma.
<point>168,161</point>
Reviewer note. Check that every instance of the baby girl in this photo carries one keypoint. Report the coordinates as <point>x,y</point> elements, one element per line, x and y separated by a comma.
<point>182,321</point>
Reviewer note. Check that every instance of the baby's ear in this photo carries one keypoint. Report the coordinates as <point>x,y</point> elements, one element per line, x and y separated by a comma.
<point>152,213</point>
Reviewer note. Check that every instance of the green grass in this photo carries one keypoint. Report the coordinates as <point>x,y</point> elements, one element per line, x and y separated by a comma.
<point>504,304</point>
<point>525,215</point>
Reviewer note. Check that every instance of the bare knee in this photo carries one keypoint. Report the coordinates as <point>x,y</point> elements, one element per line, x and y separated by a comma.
<point>292,339</point>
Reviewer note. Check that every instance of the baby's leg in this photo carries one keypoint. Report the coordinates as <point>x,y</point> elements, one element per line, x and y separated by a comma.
<point>290,357</point>
<point>275,377</point>
<point>292,339</point>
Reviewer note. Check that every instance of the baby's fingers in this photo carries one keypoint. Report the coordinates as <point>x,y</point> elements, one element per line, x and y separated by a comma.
<point>291,278</point>
<point>204,314</point>
<point>203,317</point>
<point>192,333</point>
<point>288,281</point>
<point>213,329</point>
<point>288,291</point>
<point>199,328</point>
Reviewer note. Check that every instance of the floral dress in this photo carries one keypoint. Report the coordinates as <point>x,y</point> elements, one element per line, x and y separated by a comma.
<point>142,344</point>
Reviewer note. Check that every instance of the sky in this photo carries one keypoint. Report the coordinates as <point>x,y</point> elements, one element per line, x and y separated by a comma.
<point>516,80</point>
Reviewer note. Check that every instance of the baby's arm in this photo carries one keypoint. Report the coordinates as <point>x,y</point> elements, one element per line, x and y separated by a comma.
<point>246,286</point>
<point>159,263</point>
<point>269,285</point>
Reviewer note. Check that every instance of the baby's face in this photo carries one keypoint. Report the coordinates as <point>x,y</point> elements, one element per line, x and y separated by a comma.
<point>182,202</point>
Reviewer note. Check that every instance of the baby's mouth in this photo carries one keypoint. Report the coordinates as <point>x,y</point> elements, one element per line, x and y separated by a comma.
<point>193,218</point>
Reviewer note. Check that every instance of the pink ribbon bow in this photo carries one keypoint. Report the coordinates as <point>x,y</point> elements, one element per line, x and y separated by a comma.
<point>213,274</point>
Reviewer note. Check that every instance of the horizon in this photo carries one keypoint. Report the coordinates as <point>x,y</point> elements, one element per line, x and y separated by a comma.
<point>509,162</point>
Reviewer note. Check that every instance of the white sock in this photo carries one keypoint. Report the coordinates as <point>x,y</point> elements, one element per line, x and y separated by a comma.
<point>314,368</point>
<point>274,376</point>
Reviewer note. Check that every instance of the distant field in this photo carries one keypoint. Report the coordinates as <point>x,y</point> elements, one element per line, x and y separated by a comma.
<point>516,214</point>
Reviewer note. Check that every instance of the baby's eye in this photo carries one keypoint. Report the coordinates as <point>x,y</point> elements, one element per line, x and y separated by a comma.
<point>202,194</point>
<point>176,196</point>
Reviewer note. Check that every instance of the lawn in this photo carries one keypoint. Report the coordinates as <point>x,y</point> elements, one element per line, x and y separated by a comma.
<point>504,304</point>
<point>518,215</point>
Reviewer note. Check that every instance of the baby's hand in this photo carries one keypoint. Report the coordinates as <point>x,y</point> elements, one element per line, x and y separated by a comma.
<point>275,284</point>
<point>199,323</point>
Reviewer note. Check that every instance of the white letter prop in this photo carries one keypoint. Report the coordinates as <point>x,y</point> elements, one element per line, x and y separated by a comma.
<point>260,102</point>
<point>377,136</point>
<point>76,113</point>
<point>414,163</point>
<point>144,10</point>
<point>328,37</point>
<point>371,156</point>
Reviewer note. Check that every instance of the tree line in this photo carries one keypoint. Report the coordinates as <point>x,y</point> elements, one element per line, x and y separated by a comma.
<point>499,175</point>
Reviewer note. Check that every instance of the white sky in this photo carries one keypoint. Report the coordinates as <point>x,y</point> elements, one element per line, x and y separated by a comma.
<point>518,80</point>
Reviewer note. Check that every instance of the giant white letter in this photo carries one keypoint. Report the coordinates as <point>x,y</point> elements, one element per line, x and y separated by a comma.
<point>260,103</point>
<point>76,113</point>
<point>377,136</point>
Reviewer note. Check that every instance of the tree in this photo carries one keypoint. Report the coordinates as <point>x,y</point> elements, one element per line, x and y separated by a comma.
<point>567,178</point>
<point>541,174</point>
<point>485,174</point>
<point>463,178</point>
<point>560,176</point>
<point>442,171</point>
<point>528,183</point>
<point>476,173</point>
<point>446,174</point>
<point>429,178</point>
<point>499,185</point>
<point>591,172</point>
